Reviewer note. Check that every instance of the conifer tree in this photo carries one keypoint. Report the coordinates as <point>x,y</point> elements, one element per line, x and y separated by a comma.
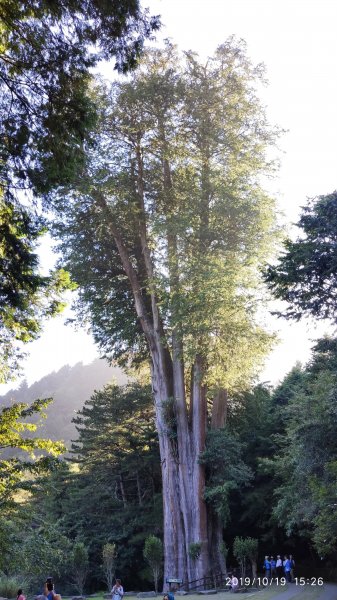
<point>165,234</point>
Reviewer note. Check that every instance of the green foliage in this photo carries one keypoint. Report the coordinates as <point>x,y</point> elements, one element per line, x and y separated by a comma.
<point>243,549</point>
<point>46,52</point>
<point>80,565</point>
<point>9,586</point>
<point>306,275</point>
<point>26,297</point>
<point>194,550</point>
<point>119,458</point>
<point>306,462</point>
<point>13,435</point>
<point>324,493</point>
<point>111,491</point>
<point>225,469</point>
<point>208,229</point>
<point>32,546</point>
<point>153,554</point>
<point>240,551</point>
<point>251,548</point>
<point>109,496</point>
<point>256,419</point>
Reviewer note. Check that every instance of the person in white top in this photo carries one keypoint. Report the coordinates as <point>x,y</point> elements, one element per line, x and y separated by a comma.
<point>279,567</point>
<point>117,590</point>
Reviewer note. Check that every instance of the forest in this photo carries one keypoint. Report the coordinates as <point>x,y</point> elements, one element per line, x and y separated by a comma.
<point>152,186</point>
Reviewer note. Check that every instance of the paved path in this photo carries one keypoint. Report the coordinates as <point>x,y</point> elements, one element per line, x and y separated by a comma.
<point>327,592</point>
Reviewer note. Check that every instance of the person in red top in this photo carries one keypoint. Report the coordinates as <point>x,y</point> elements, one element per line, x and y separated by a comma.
<point>20,595</point>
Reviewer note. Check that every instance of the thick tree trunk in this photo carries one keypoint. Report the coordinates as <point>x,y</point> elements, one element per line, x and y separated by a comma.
<point>174,547</point>
<point>183,478</point>
<point>215,540</point>
<point>197,442</point>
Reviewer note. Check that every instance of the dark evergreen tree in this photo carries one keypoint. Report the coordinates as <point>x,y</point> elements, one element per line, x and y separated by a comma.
<point>305,466</point>
<point>306,274</point>
<point>111,491</point>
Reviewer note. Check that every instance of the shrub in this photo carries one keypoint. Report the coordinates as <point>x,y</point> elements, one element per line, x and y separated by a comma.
<point>9,586</point>
<point>153,554</point>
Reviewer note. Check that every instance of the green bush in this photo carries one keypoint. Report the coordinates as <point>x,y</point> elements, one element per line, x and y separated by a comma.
<point>194,550</point>
<point>9,586</point>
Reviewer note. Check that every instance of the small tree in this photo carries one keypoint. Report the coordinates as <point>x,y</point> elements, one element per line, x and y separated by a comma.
<point>109,562</point>
<point>80,566</point>
<point>252,549</point>
<point>153,554</point>
<point>240,551</point>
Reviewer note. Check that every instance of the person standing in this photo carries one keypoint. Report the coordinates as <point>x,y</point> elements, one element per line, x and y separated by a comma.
<point>117,590</point>
<point>292,566</point>
<point>287,568</point>
<point>49,589</point>
<point>267,567</point>
<point>272,567</point>
<point>279,567</point>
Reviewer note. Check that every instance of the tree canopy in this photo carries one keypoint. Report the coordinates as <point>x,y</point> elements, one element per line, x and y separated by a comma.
<point>14,436</point>
<point>47,51</point>
<point>177,161</point>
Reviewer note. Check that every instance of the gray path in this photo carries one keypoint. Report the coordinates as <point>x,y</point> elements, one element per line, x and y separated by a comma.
<point>327,592</point>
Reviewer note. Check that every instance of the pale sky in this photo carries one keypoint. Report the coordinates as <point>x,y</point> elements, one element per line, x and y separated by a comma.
<point>296,40</point>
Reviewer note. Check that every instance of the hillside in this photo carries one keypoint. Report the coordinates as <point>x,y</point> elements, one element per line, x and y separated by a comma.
<point>69,387</point>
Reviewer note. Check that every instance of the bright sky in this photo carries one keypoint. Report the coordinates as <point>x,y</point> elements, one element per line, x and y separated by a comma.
<point>296,39</point>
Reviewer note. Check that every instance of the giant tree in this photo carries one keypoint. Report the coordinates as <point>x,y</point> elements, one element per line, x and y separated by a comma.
<point>164,234</point>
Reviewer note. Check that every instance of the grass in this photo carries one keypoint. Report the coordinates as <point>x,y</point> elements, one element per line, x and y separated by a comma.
<point>267,593</point>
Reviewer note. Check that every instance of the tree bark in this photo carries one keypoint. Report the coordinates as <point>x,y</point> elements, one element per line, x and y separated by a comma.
<point>183,478</point>
<point>219,410</point>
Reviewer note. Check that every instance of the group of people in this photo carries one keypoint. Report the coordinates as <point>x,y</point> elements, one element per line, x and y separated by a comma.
<point>47,594</point>
<point>279,567</point>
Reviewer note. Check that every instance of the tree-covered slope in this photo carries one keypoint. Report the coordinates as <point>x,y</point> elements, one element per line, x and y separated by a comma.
<point>69,387</point>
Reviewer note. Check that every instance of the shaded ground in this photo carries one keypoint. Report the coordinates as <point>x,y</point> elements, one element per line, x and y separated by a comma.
<point>288,592</point>
<point>296,592</point>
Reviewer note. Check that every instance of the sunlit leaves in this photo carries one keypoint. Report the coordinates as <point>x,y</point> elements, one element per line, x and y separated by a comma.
<point>180,150</point>
<point>20,451</point>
